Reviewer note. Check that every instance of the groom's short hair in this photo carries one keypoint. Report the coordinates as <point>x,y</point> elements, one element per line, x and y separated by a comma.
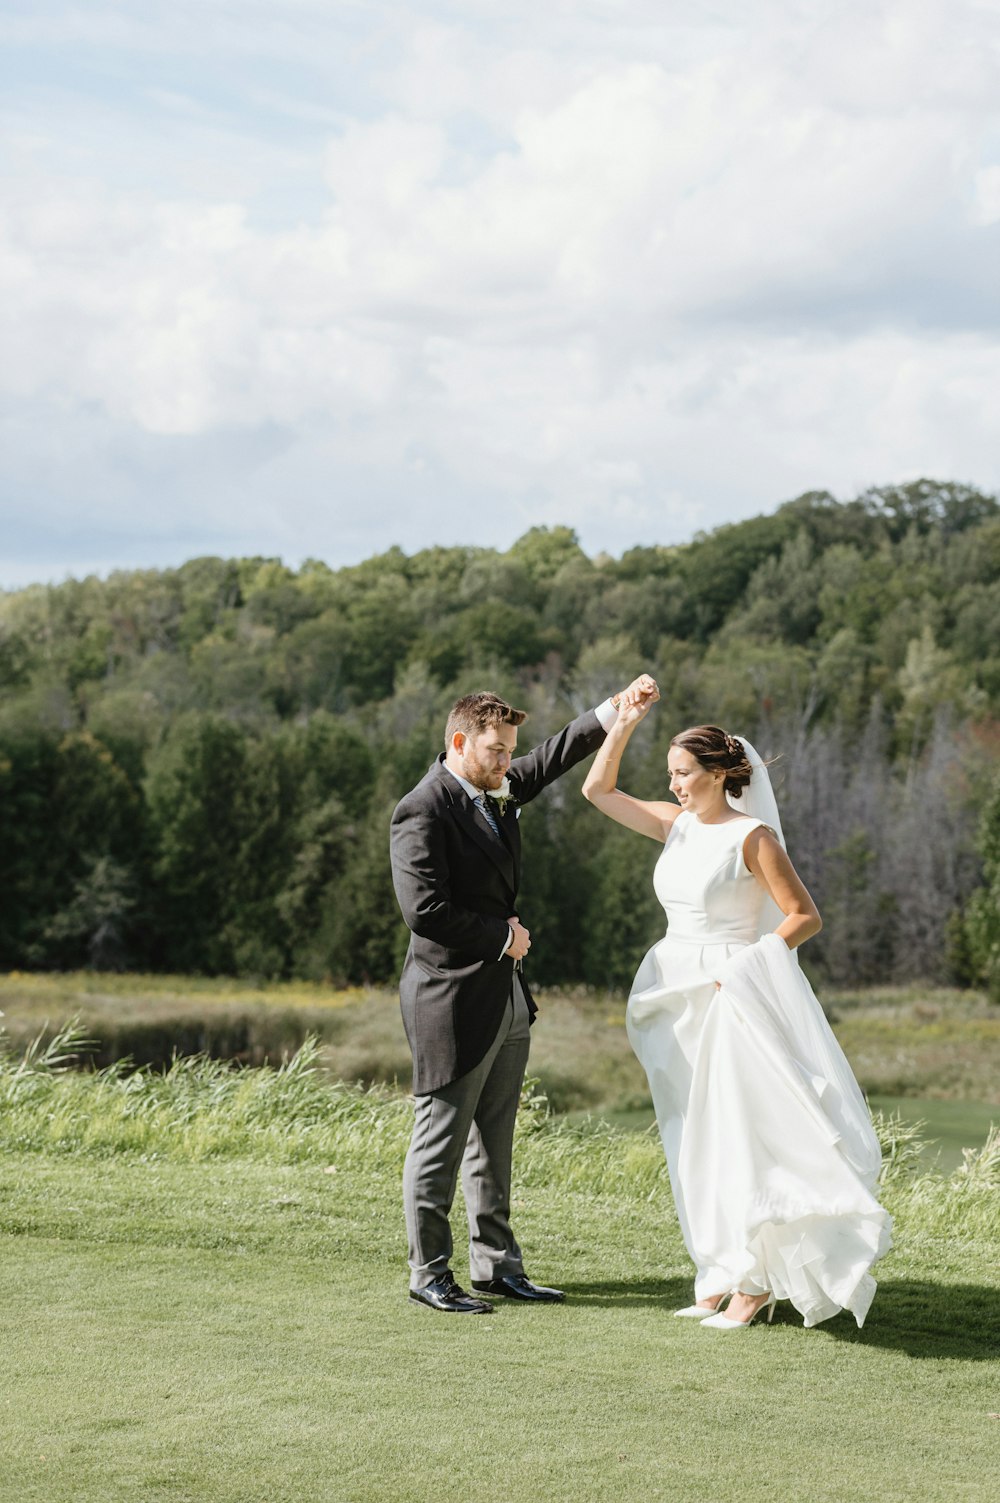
<point>475,713</point>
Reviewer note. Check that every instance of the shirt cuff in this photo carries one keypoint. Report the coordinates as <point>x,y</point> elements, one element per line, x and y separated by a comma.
<point>606,714</point>
<point>510,941</point>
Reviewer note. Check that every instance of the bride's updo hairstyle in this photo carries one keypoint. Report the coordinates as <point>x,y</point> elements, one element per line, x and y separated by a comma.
<point>718,752</point>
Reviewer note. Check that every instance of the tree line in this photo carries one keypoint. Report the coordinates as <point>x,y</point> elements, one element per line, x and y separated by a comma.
<point>197,765</point>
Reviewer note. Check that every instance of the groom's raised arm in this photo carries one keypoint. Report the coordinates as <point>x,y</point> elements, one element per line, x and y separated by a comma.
<point>421,878</point>
<point>551,758</point>
<point>534,771</point>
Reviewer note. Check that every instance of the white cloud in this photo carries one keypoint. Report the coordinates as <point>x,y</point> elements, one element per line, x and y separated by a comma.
<point>986,196</point>
<point>643,273</point>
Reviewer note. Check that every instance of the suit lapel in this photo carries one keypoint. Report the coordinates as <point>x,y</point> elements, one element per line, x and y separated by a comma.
<point>470,819</point>
<point>512,840</point>
<point>474,824</point>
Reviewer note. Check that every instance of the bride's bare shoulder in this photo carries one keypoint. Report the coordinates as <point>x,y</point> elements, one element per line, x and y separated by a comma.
<point>760,834</point>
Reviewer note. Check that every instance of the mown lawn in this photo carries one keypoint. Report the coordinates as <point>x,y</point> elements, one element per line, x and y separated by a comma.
<point>239,1332</point>
<point>205,1300</point>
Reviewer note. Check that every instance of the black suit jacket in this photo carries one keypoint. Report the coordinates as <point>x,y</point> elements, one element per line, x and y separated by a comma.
<point>456,885</point>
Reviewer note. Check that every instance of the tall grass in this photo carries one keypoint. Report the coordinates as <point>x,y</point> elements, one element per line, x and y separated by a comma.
<point>926,1043</point>
<point>201,1109</point>
<point>197,1109</point>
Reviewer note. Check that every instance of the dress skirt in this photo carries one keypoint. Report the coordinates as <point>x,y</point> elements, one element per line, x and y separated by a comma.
<point>772,1156</point>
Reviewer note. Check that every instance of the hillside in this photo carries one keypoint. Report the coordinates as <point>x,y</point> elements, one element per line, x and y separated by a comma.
<point>197,765</point>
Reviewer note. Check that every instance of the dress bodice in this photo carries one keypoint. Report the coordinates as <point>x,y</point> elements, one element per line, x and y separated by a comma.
<point>707,891</point>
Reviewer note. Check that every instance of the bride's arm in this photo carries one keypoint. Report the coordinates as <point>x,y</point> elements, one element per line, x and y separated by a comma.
<point>600,786</point>
<point>768,860</point>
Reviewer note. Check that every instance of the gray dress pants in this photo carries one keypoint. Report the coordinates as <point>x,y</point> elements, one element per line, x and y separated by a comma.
<point>469,1124</point>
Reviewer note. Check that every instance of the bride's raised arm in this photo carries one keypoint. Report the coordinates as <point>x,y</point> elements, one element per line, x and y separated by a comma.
<point>601,784</point>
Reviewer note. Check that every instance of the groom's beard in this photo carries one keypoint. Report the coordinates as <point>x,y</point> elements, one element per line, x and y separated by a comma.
<point>482,775</point>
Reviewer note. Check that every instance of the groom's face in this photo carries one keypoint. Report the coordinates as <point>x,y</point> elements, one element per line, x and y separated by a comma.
<point>486,758</point>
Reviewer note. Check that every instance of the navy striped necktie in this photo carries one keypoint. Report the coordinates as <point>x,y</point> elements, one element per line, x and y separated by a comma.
<point>482,803</point>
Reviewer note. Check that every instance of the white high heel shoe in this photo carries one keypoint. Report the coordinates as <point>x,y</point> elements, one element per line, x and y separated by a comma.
<point>698,1312</point>
<point>723,1323</point>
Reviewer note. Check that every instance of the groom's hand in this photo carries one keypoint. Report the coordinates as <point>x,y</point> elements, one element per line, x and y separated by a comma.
<point>635,702</point>
<point>520,940</point>
<point>642,691</point>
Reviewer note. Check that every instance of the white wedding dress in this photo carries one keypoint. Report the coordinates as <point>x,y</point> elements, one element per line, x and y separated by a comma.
<point>772,1155</point>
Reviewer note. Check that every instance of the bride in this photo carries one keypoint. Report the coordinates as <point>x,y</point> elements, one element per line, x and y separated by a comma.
<point>772,1156</point>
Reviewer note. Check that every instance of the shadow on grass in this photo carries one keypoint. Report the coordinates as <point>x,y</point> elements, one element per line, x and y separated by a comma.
<point>922,1319</point>
<point>658,1294</point>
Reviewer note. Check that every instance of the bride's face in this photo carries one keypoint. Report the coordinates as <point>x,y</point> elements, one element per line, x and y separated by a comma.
<point>693,786</point>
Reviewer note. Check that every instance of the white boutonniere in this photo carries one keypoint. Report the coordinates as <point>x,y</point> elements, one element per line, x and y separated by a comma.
<point>502,796</point>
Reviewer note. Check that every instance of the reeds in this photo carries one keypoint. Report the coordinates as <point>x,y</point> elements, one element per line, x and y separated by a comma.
<point>200,1109</point>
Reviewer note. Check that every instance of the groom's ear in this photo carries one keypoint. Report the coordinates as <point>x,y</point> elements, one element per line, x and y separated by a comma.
<point>458,742</point>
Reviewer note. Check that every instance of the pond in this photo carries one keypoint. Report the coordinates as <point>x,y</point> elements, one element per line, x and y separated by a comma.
<point>949,1126</point>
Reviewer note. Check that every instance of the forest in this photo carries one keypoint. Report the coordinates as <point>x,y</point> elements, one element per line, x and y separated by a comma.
<point>198,765</point>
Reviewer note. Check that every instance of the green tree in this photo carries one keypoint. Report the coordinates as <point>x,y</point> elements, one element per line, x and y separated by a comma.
<point>929,680</point>
<point>210,594</point>
<point>93,926</point>
<point>929,504</point>
<point>623,917</point>
<point>543,552</point>
<point>982,914</point>
<point>193,791</point>
<point>781,603</point>
<point>718,566</point>
<point>65,805</point>
<point>207,756</point>
<point>303,904</point>
<point>360,935</point>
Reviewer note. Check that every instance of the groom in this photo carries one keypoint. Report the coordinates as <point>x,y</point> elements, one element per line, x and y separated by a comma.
<point>456,865</point>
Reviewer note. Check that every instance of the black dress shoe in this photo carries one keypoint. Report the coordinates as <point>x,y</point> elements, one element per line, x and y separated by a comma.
<point>517,1286</point>
<point>445,1294</point>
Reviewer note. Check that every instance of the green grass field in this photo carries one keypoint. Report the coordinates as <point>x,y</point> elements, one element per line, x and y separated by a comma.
<point>205,1300</point>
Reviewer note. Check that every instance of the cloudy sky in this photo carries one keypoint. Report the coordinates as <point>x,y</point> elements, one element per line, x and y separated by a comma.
<point>311,277</point>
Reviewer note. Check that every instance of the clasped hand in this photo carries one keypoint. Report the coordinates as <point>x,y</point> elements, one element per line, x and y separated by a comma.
<point>638,699</point>
<point>520,941</point>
